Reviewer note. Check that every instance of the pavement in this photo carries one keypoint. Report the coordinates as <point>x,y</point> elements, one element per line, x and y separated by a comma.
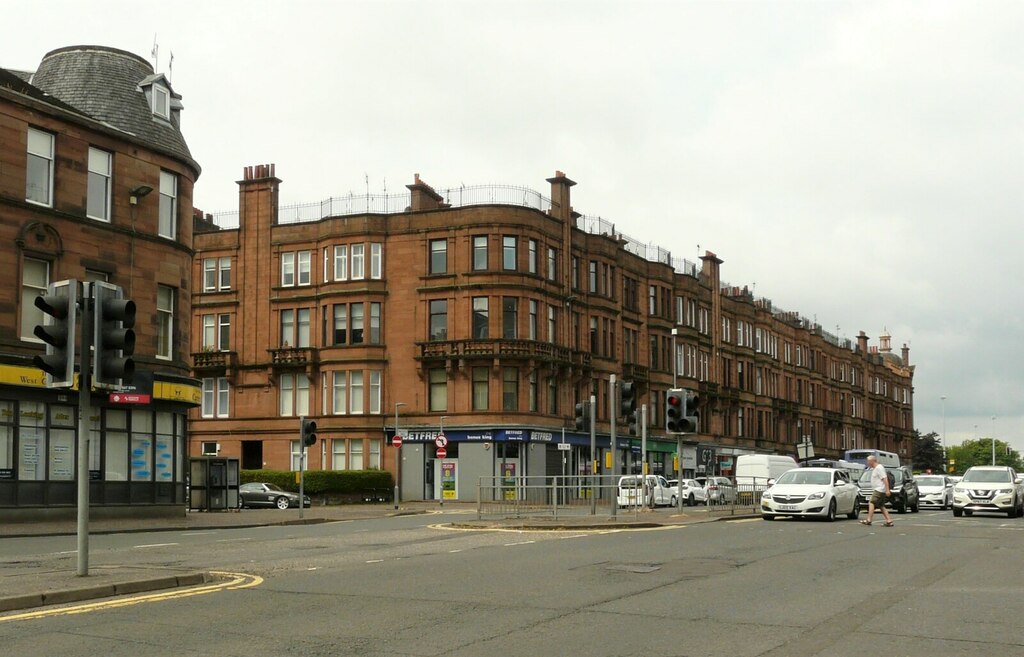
<point>28,585</point>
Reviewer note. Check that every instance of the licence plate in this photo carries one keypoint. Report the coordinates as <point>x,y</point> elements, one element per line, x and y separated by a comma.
<point>787,507</point>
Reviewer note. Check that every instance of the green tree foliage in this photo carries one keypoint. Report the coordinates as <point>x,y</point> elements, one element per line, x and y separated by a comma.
<point>979,452</point>
<point>927,452</point>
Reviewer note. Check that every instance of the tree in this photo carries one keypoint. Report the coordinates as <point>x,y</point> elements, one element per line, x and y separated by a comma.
<point>979,452</point>
<point>927,452</point>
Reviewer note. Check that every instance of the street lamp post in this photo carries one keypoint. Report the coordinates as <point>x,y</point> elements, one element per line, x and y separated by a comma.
<point>398,460</point>
<point>993,440</point>
<point>942,443</point>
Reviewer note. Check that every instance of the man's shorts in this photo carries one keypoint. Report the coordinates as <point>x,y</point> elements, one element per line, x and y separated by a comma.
<point>878,498</point>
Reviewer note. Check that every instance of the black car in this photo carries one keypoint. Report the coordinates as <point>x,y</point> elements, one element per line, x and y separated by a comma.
<point>905,494</point>
<point>263,494</point>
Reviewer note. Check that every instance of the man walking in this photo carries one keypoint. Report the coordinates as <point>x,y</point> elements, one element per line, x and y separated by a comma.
<point>879,491</point>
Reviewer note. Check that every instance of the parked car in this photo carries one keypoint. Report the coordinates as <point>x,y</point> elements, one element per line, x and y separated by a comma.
<point>905,494</point>
<point>935,490</point>
<point>994,488</point>
<point>814,492</point>
<point>657,493</point>
<point>720,490</point>
<point>264,494</point>
<point>691,492</point>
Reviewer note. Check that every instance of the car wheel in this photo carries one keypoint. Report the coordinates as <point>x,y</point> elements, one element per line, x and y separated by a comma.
<point>690,501</point>
<point>831,511</point>
<point>957,512</point>
<point>855,512</point>
<point>673,502</point>
<point>241,502</point>
<point>767,516</point>
<point>281,503</point>
<point>1012,513</point>
<point>902,507</point>
<point>916,507</point>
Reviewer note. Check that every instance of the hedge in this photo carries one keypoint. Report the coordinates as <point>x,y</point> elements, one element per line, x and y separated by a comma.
<point>324,482</point>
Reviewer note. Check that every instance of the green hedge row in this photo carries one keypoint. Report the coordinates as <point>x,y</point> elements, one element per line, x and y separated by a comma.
<point>324,482</point>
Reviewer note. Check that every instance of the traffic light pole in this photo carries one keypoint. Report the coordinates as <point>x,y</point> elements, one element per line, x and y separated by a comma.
<point>84,414</point>
<point>596,483</point>
<point>612,402</point>
<point>302,467</point>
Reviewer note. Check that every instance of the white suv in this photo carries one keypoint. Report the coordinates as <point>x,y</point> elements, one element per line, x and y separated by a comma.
<point>994,488</point>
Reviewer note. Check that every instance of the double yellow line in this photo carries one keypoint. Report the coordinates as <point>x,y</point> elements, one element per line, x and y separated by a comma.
<point>233,581</point>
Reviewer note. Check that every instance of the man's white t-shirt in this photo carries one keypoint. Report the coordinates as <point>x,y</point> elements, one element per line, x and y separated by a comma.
<point>878,477</point>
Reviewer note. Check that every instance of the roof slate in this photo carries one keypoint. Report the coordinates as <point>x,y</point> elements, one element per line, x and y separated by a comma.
<point>104,83</point>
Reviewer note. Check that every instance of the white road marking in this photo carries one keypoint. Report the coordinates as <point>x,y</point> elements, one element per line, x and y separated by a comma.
<point>732,522</point>
<point>197,533</point>
<point>375,561</point>
<point>232,540</point>
<point>152,545</point>
<point>519,543</point>
<point>68,552</point>
<point>453,551</point>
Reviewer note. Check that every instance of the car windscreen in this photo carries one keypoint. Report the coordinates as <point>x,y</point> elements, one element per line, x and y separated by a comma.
<point>274,487</point>
<point>897,475</point>
<point>801,477</point>
<point>987,476</point>
<point>930,481</point>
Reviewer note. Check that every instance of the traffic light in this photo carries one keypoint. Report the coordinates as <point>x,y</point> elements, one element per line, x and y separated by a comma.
<point>308,431</point>
<point>627,405</point>
<point>583,417</point>
<point>674,400</point>
<point>691,414</point>
<point>113,339</point>
<point>60,303</point>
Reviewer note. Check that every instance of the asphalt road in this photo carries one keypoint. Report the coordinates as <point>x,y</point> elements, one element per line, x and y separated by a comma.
<point>399,586</point>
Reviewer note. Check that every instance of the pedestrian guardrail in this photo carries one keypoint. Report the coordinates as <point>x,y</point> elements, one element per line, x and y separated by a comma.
<point>559,496</point>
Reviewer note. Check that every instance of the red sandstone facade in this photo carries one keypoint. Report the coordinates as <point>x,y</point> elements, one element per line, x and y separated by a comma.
<point>493,318</point>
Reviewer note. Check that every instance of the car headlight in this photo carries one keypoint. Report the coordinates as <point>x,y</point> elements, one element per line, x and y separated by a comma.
<point>766,495</point>
<point>817,496</point>
<point>957,489</point>
<point>1004,491</point>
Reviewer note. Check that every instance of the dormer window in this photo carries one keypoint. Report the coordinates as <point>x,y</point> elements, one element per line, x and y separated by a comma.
<point>161,102</point>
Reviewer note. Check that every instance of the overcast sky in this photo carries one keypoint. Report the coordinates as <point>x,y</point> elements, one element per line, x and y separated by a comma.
<point>858,162</point>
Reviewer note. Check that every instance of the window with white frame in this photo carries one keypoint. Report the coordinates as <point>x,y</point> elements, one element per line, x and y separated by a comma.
<point>508,252</point>
<point>224,281</point>
<point>161,101</point>
<point>293,395</point>
<point>339,392</point>
<point>209,274</point>
<point>217,332</point>
<point>438,392</point>
<point>39,168</point>
<point>374,462</point>
<point>165,322</point>
<point>341,262</point>
<point>376,260</point>
<point>302,327</point>
<point>375,313</point>
<point>168,224</point>
<point>97,204</point>
<point>296,448</point>
<point>552,263</point>
<point>479,253</point>
<point>216,396</point>
<point>375,388</point>
<point>288,327</point>
<point>358,320</point>
<point>305,268</point>
<point>355,393</point>
<point>531,262</point>
<point>355,455</point>
<point>288,269</point>
<point>339,453</point>
<point>358,261</point>
<point>35,276</point>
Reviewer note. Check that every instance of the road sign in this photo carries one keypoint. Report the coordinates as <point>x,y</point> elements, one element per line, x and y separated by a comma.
<point>396,441</point>
<point>125,398</point>
<point>564,447</point>
<point>441,440</point>
<point>442,452</point>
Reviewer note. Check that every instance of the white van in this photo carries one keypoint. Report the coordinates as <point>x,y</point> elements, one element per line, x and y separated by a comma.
<point>658,492</point>
<point>754,470</point>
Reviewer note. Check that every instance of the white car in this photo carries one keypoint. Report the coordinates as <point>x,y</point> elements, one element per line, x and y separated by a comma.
<point>936,490</point>
<point>720,490</point>
<point>815,492</point>
<point>690,492</point>
<point>658,492</point>
<point>995,488</point>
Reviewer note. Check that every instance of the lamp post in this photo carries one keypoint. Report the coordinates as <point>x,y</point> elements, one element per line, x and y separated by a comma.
<point>993,440</point>
<point>942,443</point>
<point>398,460</point>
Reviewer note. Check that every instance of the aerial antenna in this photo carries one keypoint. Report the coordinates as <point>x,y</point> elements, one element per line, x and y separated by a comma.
<point>155,54</point>
<point>170,68</point>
